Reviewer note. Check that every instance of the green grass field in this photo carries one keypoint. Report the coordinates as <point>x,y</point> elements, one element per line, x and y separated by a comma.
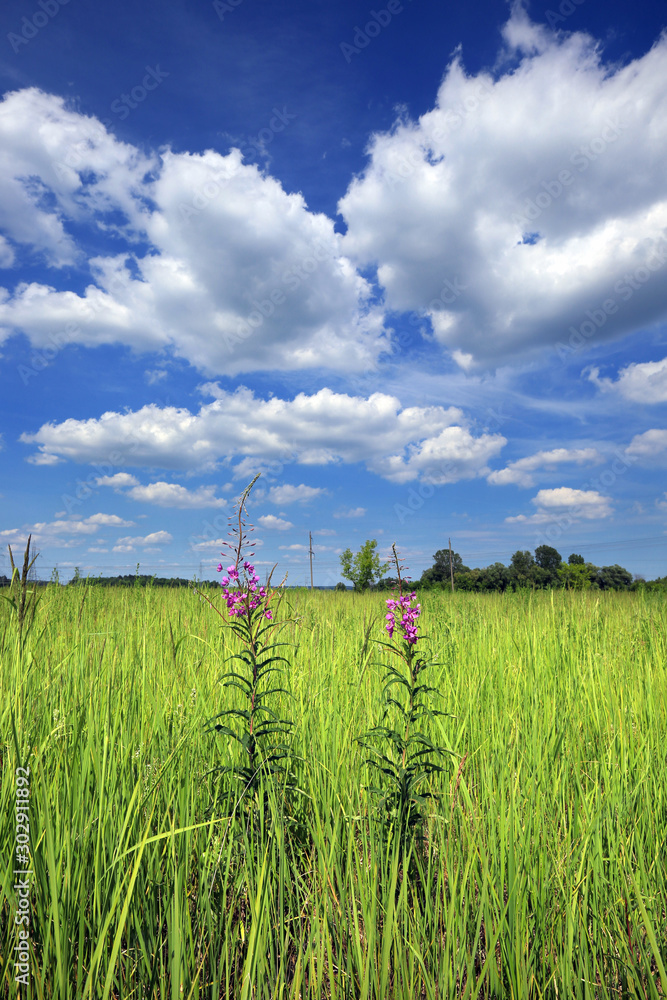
<point>541,871</point>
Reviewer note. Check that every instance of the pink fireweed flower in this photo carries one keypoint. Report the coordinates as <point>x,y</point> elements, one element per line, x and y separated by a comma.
<point>408,616</point>
<point>247,595</point>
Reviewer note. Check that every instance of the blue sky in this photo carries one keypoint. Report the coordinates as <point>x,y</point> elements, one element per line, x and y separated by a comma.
<point>408,261</point>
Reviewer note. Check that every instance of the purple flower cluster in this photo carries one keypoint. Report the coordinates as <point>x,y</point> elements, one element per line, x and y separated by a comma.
<point>247,594</point>
<point>409,617</point>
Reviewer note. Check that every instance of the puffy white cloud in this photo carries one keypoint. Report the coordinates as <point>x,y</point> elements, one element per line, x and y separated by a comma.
<point>519,472</point>
<point>649,447</point>
<point>155,538</point>
<point>351,512</point>
<point>57,165</point>
<point>399,444</point>
<point>274,523</point>
<point>504,235</point>
<point>109,520</point>
<point>42,458</point>
<point>62,533</point>
<point>239,274</point>
<point>118,481</point>
<point>640,383</point>
<point>451,455</point>
<point>294,494</point>
<point>172,495</point>
<point>565,502</point>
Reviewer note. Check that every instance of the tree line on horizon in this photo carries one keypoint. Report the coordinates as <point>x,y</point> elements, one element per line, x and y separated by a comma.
<point>539,571</point>
<point>542,570</point>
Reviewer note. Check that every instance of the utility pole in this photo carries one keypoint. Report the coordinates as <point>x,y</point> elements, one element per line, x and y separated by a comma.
<point>311,553</point>
<point>451,565</point>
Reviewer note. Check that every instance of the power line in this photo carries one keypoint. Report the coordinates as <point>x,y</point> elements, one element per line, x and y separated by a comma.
<point>640,542</point>
<point>311,553</point>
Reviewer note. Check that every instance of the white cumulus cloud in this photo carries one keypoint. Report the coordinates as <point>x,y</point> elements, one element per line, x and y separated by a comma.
<point>172,495</point>
<point>239,275</point>
<point>155,538</point>
<point>294,494</point>
<point>118,481</point>
<point>639,383</point>
<point>60,166</point>
<point>274,523</point>
<point>398,443</point>
<point>109,520</point>
<point>62,533</point>
<point>520,472</point>
<point>575,505</point>
<point>649,447</point>
<point>506,236</point>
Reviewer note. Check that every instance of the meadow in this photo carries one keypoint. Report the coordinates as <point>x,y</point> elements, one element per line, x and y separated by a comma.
<point>540,869</point>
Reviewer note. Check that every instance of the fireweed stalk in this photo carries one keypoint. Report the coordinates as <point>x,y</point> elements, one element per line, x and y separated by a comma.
<point>247,613</point>
<point>405,759</point>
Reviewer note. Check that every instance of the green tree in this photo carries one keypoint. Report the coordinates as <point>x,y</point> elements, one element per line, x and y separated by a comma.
<point>496,577</point>
<point>362,568</point>
<point>439,572</point>
<point>522,568</point>
<point>549,558</point>
<point>614,578</point>
<point>576,560</point>
<point>575,576</point>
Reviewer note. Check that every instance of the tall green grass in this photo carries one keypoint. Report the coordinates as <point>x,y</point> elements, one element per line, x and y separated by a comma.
<point>541,871</point>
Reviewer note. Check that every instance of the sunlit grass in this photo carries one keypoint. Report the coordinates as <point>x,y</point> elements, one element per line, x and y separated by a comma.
<point>542,870</point>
